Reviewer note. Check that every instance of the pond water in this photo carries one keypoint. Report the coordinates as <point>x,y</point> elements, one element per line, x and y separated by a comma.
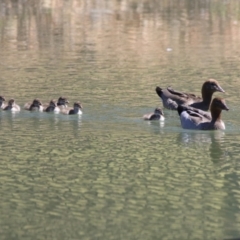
<point>108,174</point>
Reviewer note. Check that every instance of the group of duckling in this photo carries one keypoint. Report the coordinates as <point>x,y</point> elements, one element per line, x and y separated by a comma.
<point>59,106</point>
<point>193,110</point>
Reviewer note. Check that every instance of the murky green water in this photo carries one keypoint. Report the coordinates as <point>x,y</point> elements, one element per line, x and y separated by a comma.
<point>108,174</point>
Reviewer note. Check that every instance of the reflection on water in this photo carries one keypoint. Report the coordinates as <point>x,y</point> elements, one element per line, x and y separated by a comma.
<point>156,123</point>
<point>212,141</point>
<point>108,174</point>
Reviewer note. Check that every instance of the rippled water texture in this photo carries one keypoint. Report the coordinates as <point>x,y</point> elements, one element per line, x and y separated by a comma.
<point>108,174</point>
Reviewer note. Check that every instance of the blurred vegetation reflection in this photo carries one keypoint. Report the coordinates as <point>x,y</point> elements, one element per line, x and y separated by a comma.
<point>73,25</point>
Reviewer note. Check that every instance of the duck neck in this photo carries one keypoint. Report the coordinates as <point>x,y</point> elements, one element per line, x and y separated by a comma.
<point>216,114</point>
<point>207,96</point>
<point>62,105</point>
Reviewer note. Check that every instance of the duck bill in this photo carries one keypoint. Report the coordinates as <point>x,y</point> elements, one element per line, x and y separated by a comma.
<point>219,89</point>
<point>226,107</point>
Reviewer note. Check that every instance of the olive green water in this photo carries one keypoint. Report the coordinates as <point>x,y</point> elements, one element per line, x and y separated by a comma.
<point>108,174</point>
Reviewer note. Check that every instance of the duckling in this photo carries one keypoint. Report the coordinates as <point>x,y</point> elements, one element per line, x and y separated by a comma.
<point>36,105</point>
<point>2,100</point>
<point>52,107</point>
<point>12,106</point>
<point>171,98</point>
<point>156,115</point>
<point>192,118</point>
<point>62,102</point>
<point>77,109</point>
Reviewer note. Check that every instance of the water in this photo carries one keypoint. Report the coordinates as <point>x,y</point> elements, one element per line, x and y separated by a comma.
<point>108,174</point>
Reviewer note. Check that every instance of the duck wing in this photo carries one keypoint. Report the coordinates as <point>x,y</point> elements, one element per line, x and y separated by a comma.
<point>190,111</point>
<point>172,98</point>
<point>27,106</point>
<point>197,112</point>
<point>183,94</point>
<point>192,118</point>
<point>194,114</point>
<point>151,116</point>
<point>7,108</point>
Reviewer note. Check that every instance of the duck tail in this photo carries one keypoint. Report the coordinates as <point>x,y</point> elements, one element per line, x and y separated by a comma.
<point>159,91</point>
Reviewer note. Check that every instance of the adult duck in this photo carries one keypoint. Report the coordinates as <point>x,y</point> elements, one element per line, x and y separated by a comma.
<point>171,98</point>
<point>36,105</point>
<point>192,118</point>
<point>156,115</point>
<point>12,106</point>
<point>62,102</point>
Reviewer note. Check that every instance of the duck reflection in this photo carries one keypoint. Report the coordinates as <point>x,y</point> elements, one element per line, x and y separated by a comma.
<point>7,119</point>
<point>156,123</point>
<point>66,123</point>
<point>76,125</point>
<point>212,140</point>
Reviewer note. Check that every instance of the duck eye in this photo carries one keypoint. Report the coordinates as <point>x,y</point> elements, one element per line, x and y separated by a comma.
<point>213,85</point>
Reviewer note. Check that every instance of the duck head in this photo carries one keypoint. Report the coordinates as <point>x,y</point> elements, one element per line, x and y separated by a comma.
<point>219,104</point>
<point>158,111</point>
<point>36,103</point>
<point>53,103</point>
<point>77,105</point>
<point>212,86</point>
<point>11,102</point>
<point>62,101</point>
